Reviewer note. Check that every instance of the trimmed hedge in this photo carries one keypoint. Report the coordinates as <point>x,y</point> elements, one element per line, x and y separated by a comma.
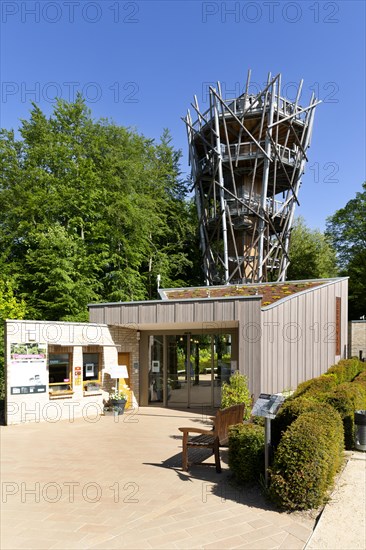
<point>290,411</point>
<point>321,384</point>
<point>246,452</point>
<point>343,387</point>
<point>346,399</point>
<point>346,369</point>
<point>360,379</point>
<point>306,460</point>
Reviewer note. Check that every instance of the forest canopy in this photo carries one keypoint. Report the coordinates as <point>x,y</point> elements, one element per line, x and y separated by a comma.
<point>91,211</point>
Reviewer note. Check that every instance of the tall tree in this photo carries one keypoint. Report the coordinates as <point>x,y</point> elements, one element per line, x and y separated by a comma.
<point>90,211</point>
<point>311,254</point>
<point>347,230</point>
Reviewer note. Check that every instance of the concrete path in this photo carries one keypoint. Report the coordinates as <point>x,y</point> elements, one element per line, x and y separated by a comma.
<point>342,525</point>
<point>119,485</point>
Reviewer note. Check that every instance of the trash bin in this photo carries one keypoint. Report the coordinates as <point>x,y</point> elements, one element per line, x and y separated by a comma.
<point>360,430</point>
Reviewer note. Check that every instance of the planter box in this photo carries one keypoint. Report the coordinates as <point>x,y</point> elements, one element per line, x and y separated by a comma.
<point>117,406</point>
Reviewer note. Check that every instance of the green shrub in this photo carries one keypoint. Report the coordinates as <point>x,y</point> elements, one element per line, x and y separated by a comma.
<point>306,460</point>
<point>346,369</point>
<point>360,379</point>
<point>236,392</point>
<point>246,452</point>
<point>321,384</point>
<point>346,399</point>
<point>290,411</point>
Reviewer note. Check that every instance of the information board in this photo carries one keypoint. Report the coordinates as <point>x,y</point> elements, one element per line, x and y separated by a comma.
<point>28,368</point>
<point>118,371</point>
<point>267,405</point>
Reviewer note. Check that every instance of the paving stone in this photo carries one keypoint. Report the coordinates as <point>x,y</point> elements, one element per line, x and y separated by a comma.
<point>291,542</point>
<point>177,510</point>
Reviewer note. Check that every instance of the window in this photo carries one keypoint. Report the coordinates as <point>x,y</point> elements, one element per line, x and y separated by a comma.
<point>59,371</point>
<point>90,367</point>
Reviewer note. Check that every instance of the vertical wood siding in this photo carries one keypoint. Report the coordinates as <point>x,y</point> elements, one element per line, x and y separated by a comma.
<point>299,338</point>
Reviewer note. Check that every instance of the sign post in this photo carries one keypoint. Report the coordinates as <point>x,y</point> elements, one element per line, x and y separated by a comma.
<point>267,405</point>
<point>118,371</point>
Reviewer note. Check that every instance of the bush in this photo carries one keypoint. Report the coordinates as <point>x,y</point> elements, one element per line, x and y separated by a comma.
<point>291,410</point>
<point>346,370</point>
<point>360,379</point>
<point>246,452</point>
<point>346,399</point>
<point>321,384</point>
<point>236,392</point>
<point>307,458</point>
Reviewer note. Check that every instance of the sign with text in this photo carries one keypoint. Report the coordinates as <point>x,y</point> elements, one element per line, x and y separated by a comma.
<point>267,405</point>
<point>28,364</point>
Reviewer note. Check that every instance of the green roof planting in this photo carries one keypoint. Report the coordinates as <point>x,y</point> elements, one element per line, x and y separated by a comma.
<point>269,292</point>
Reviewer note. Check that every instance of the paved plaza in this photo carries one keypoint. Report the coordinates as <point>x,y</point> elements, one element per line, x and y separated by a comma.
<point>117,483</point>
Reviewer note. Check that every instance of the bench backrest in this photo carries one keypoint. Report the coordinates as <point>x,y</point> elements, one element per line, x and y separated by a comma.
<point>225,418</point>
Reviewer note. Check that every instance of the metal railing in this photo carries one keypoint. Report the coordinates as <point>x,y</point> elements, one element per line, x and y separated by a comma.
<point>239,105</point>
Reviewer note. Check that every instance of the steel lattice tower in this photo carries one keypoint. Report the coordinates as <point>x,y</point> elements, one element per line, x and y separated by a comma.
<point>247,158</point>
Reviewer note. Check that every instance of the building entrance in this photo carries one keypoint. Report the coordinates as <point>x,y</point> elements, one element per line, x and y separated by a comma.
<point>187,370</point>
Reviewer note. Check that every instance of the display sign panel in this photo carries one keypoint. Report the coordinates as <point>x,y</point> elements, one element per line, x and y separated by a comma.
<point>28,368</point>
<point>267,405</point>
<point>155,366</point>
<point>118,371</point>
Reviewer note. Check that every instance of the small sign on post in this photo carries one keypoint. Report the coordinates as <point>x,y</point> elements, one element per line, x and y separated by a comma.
<point>118,371</point>
<point>267,405</point>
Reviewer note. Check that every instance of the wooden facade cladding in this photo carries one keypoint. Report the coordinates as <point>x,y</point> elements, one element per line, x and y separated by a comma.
<point>277,346</point>
<point>299,336</point>
<point>174,312</point>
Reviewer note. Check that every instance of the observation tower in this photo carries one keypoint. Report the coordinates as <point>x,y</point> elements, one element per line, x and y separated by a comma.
<point>247,157</point>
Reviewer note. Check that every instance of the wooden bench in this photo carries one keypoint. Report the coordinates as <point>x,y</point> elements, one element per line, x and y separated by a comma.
<point>215,437</point>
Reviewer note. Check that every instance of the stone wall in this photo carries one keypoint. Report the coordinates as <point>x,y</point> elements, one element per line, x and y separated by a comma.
<point>357,338</point>
<point>127,340</point>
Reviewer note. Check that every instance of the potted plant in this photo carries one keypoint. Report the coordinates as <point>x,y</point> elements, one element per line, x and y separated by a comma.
<point>117,401</point>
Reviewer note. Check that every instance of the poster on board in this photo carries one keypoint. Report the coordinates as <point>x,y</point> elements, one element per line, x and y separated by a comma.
<point>28,368</point>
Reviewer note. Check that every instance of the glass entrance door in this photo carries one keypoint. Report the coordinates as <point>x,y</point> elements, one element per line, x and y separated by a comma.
<point>197,365</point>
<point>156,370</point>
<point>177,371</point>
<point>202,372</point>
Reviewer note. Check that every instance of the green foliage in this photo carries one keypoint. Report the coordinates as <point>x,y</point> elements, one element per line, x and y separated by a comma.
<point>236,392</point>
<point>315,386</point>
<point>361,378</point>
<point>11,307</point>
<point>92,211</point>
<point>334,388</point>
<point>246,452</point>
<point>311,254</point>
<point>309,438</point>
<point>291,410</point>
<point>346,369</point>
<point>57,281</point>
<point>306,460</point>
<point>346,399</point>
<point>347,231</point>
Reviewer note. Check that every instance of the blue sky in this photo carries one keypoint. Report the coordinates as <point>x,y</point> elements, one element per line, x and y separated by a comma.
<point>139,64</point>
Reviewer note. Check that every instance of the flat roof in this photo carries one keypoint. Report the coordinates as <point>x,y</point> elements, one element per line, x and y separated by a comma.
<point>269,293</point>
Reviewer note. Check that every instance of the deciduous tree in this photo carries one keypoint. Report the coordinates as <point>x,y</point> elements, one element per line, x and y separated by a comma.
<point>347,230</point>
<point>311,254</point>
